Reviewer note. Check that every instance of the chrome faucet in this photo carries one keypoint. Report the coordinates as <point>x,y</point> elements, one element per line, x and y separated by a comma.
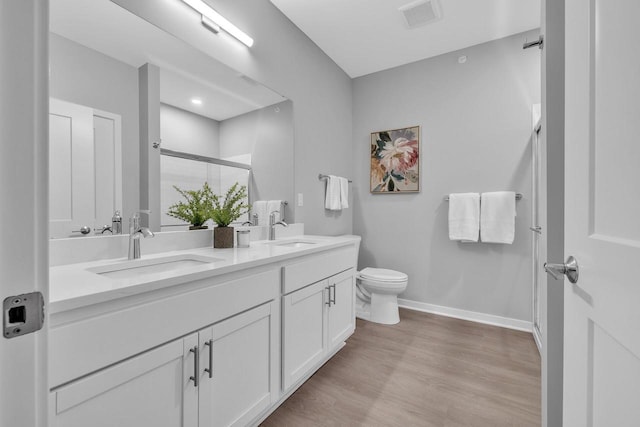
<point>135,231</point>
<point>273,223</point>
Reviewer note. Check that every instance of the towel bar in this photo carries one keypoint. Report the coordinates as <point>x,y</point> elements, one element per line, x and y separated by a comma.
<point>519,196</point>
<point>323,176</point>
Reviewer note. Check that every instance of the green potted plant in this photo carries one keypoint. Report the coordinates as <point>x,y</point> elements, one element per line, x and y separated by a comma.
<point>226,210</point>
<point>197,208</point>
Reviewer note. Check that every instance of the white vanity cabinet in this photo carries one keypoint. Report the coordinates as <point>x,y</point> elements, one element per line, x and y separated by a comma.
<point>239,365</point>
<point>317,315</point>
<point>235,363</point>
<point>150,389</point>
<point>341,310</point>
<point>218,349</point>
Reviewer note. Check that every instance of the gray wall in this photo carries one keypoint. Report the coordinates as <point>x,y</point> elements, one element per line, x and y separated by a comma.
<point>284,59</point>
<point>268,135</point>
<point>476,126</point>
<point>87,77</point>
<point>188,132</point>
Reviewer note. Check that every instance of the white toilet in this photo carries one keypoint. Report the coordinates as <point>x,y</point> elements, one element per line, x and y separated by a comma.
<point>377,295</point>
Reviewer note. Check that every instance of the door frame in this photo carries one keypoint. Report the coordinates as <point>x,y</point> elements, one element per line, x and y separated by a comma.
<point>553,79</point>
<point>24,172</point>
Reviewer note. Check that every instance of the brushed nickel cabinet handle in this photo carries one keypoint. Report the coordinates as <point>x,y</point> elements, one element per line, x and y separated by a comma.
<point>332,300</point>
<point>196,365</point>
<point>210,369</point>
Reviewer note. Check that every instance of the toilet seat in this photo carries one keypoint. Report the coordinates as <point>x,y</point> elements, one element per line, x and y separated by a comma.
<point>383,275</point>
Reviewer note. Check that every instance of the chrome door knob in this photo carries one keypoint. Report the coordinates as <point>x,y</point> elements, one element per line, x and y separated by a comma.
<point>570,269</point>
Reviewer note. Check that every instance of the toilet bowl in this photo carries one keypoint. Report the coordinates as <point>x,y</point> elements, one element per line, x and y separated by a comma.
<point>377,291</point>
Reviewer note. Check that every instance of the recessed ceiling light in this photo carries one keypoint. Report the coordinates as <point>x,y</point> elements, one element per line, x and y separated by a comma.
<point>196,101</point>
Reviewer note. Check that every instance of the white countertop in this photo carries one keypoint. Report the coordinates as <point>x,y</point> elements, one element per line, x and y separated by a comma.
<point>74,285</point>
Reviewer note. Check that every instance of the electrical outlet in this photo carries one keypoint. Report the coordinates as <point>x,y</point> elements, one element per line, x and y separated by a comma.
<point>300,199</point>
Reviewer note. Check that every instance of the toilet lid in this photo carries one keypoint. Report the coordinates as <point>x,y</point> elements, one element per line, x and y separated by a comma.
<point>383,275</point>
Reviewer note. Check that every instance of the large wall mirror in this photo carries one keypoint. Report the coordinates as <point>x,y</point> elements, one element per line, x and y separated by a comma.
<point>214,124</point>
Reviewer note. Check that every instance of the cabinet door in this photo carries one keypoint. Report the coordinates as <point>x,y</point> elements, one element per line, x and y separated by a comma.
<point>304,331</point>
<point>147,390</point>
<point>242,356</point>
<point>341,315</point>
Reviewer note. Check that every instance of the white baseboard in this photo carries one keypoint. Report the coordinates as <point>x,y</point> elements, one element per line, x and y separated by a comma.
<point>473,316</point>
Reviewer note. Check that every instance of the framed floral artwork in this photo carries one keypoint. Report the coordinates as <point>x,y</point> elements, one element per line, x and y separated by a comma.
<point>395,161</point>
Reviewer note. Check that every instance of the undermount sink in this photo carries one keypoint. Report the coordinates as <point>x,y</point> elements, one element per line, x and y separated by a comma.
<point>138,268</point>
<point>296,244</point>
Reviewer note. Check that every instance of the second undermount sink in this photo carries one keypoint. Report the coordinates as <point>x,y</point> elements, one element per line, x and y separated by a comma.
<point>139,268</point>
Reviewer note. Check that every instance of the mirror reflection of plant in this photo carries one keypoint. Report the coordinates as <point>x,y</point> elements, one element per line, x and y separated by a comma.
<point>198,207</point>
<point>224,212</point>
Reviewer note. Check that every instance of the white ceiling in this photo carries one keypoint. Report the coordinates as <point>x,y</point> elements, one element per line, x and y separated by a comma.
<point>186,72</point>
<point>365,36</point>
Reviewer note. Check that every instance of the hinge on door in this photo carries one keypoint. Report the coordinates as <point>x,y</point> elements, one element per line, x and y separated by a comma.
<point>22,314</point>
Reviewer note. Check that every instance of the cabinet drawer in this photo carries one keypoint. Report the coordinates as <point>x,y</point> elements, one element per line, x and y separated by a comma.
<point>317,267</point>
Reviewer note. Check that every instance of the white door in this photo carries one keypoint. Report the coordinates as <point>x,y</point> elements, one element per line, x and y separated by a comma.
<point>71,160</point>
<point>341,314</point>
<point>24,260</point>
<point>602,214</point>
<point>304,331</point>
<point>85,173</point>
<point>238,367</point>
<point>152,389</point>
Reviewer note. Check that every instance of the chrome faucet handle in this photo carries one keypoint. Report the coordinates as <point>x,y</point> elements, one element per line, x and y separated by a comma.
<point>104,228</point>
<point>247,223</point>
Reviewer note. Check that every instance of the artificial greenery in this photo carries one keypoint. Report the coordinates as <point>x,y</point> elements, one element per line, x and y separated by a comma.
<point>197,209</point>
<point>202,205</point>
<point>224,212</point>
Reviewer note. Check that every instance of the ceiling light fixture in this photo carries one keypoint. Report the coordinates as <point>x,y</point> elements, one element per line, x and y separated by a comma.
<point>214,21</point>
<point>196,101</point>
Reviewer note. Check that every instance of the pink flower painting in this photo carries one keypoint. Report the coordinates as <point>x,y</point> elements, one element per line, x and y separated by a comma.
<point>395,160</point>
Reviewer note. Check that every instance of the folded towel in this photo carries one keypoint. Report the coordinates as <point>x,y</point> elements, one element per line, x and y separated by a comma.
<point>497,217</point>
<point>332,197</point>
<point>260,208</point>
<point>464,216</point>
<point>273,206</point>
<point>344,192</point>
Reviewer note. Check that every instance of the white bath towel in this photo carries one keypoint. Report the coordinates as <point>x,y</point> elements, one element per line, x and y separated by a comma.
<point>273,206</point>
<point>260,208</point>
<point>332,197</point>
<point>498,217</point>
<point>344,192</point>
<point>464,216</point>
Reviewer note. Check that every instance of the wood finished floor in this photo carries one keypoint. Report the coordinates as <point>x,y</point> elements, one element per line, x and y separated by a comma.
<point>426,371</point>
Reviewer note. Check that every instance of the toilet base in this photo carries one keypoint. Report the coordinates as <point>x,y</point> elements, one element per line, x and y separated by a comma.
<point>382,309</point>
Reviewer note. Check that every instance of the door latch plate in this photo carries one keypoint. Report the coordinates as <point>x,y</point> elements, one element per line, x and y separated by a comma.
<point>22,314</point>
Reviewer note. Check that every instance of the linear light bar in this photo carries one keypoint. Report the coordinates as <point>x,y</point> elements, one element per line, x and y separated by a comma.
<point>206,11</point>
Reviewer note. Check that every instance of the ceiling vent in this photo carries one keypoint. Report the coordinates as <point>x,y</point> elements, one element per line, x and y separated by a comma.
<point>420,12</point>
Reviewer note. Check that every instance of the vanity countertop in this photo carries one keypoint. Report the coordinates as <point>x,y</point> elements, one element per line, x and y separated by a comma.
<point>77,285</point>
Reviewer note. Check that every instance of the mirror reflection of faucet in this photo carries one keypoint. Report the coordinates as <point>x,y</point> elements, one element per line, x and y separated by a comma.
<point>135,232</point>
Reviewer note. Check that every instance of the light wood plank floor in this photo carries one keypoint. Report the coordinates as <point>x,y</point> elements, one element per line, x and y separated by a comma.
<point>426,371</point>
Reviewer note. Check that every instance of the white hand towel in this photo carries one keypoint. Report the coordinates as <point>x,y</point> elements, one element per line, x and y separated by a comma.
<point>272,206</point>
<point>344,192</point>
<point>464,216</point>
<point>498,217</point>
<point>260,208</point>
<point>332,196</point>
